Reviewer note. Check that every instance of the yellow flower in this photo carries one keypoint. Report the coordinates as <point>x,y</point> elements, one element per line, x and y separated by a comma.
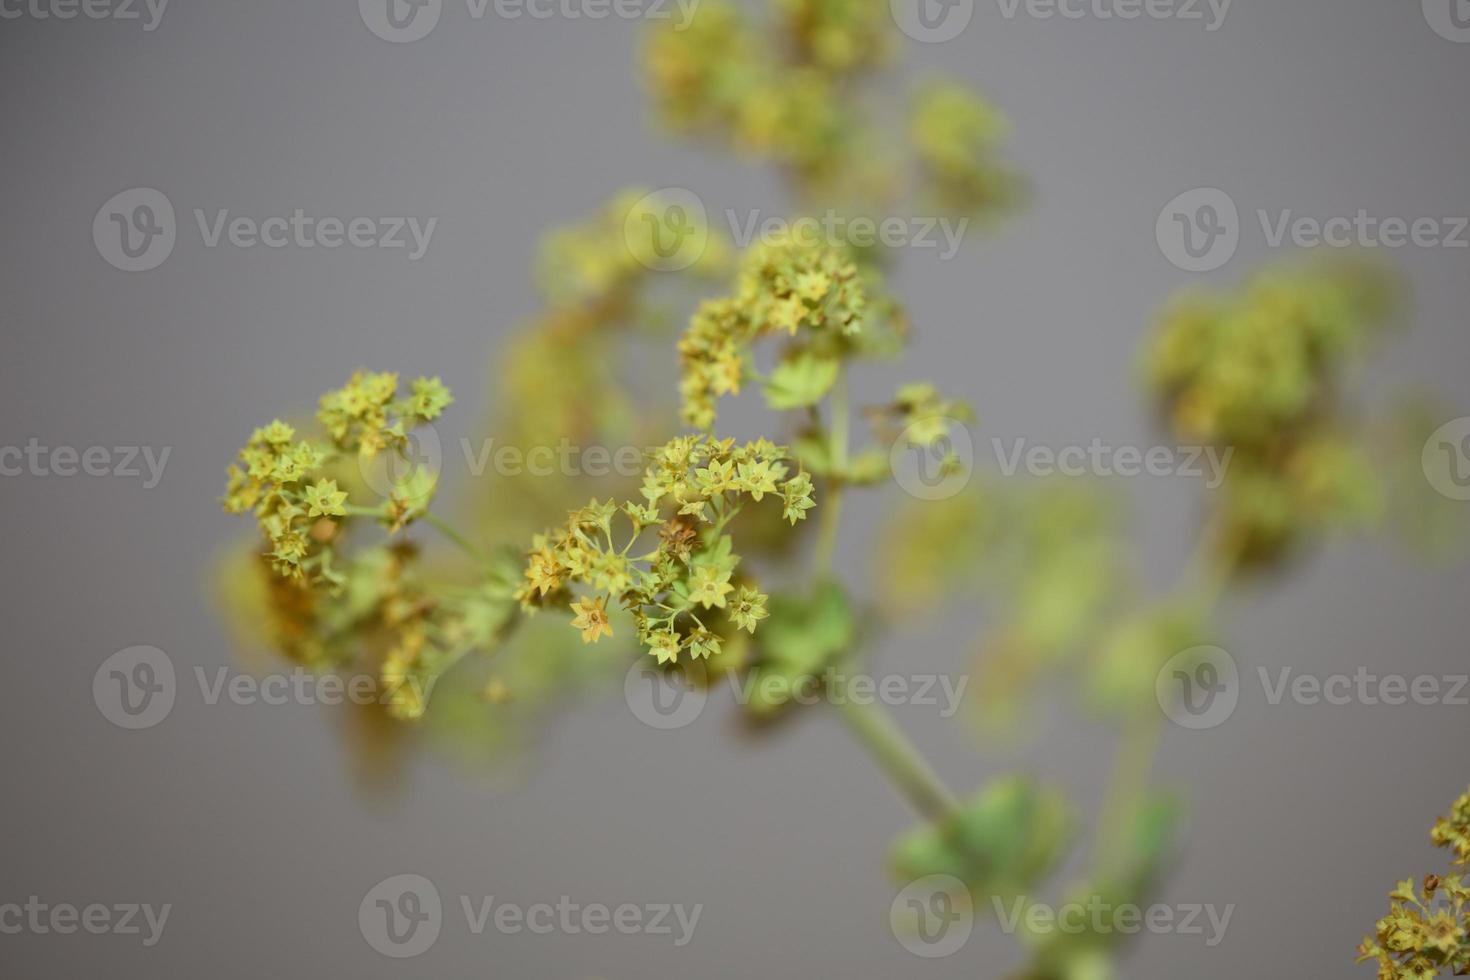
<point>591,619</point>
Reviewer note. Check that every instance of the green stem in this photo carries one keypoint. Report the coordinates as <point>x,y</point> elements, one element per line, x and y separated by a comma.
<point>1133,764</point>
<point>459,539</point>
<point>897,757</point>
<point>831,506</point>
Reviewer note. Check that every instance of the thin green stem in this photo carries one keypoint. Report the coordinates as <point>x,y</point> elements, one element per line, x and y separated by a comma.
<point>830,508</point>
<point>897,757</point>
<point>453,535</point>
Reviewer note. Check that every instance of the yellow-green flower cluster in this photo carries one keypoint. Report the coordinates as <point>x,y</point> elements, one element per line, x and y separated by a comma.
<point>716,77</point>
<point>693,487</point>
<point>1427,932</point>
<point>280,477</point>
<point>838,35</point>
<point>1453,831</point>
<point>783,287</point>
<point>957,137</point>
<point>1258,373</point>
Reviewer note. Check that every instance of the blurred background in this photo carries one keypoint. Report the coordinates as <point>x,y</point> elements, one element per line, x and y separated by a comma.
<point>252,820</point>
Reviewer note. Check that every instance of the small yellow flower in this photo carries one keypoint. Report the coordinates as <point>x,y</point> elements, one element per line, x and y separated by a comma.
<point>591,619</point>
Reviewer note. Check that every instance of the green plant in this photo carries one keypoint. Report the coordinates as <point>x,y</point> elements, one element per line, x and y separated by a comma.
<point>677,568</point>
<point>1427,932</point>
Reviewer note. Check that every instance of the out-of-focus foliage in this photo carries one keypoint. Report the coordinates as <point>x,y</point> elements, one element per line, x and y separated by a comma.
<point>1001,843</point>
<point>957,137</point>
<point>1261,372</point>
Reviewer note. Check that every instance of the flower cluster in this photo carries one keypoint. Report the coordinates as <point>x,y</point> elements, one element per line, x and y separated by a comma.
<point>782,288</point>
<point>693,487</point>
<point>838,35</point>
<point>1259,373</point>
<point>280,477</point>
<point>957,137</point>
<point>1453,831</point>
<point>1427,932</point>
<point>715,76</point>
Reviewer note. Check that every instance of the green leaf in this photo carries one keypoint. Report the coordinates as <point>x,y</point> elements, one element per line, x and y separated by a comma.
<point>801,381</point>
<point>1001,842</point>
<point>800,639</point>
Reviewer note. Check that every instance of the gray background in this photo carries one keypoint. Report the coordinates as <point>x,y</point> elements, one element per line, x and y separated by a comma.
<point>245,817</point>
